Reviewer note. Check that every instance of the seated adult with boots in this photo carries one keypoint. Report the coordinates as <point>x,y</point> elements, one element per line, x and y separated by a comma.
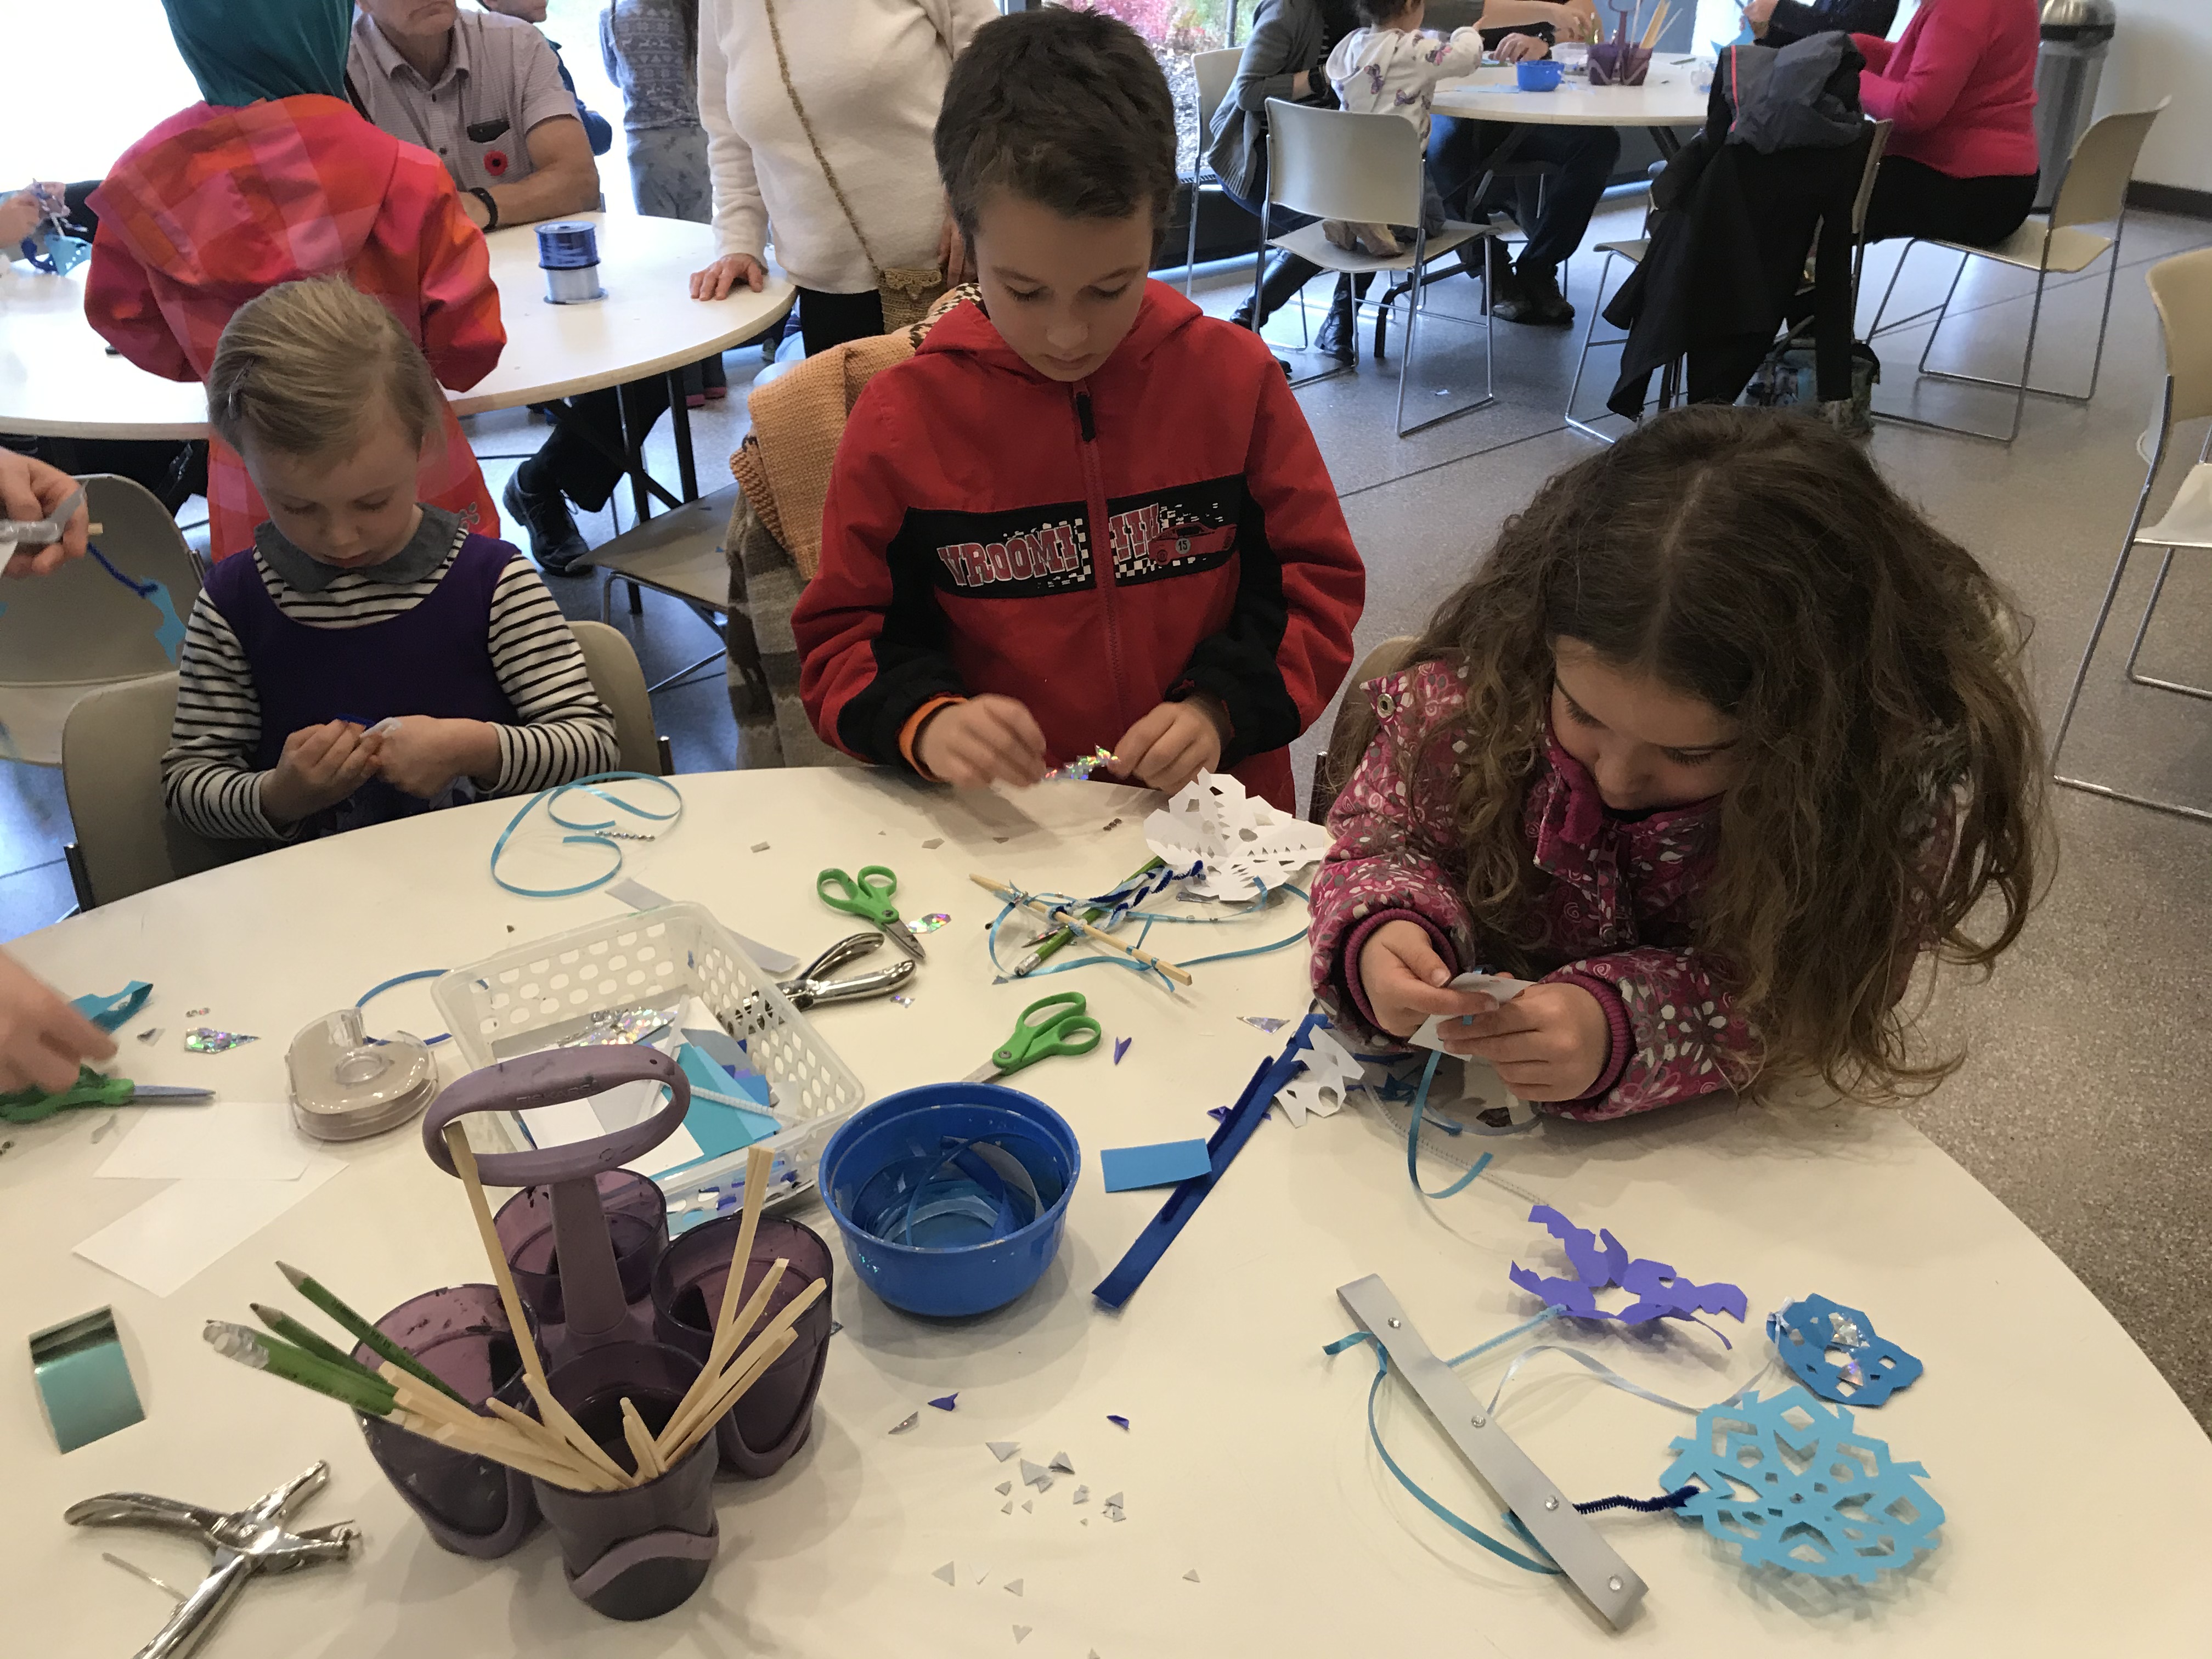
<point>1555,212</point>
<point>482,94</point>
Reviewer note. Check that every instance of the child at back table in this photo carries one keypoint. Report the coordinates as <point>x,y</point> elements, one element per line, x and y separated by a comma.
<point>1083,514</point>
<point>1717,741</point>
<point>372,657</point>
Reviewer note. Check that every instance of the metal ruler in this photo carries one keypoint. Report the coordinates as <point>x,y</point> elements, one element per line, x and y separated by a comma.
<point>1589,1563</point>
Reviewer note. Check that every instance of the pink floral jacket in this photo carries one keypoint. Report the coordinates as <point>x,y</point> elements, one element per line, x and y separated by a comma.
<point>1619,905</point>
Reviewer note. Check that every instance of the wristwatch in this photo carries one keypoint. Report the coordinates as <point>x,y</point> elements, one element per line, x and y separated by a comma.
<point>490,205</point>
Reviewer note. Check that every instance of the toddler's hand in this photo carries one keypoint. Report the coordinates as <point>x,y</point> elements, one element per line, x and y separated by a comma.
<point>43,1040</point>
<point>1548,1043</point>
<point>1404,979</point>
<point>1172,744</point>
<point>321,765</point>
<point>985,740</point>
<point>423,755</point>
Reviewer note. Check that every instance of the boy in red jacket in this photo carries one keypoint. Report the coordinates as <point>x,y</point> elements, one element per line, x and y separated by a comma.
<point>1084,513</point>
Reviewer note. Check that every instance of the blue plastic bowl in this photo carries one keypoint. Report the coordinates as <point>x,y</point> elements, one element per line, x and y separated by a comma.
<point>946,1276</point>
<point>1537,74</point>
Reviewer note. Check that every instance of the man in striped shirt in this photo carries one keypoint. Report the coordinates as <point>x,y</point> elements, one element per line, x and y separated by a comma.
<point>372,657</point>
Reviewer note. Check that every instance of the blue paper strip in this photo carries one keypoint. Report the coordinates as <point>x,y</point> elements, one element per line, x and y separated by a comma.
<point>1251,1108</point>
<point>1161,1165</point>
<point>111,1012</point>
<point>718,1128</point>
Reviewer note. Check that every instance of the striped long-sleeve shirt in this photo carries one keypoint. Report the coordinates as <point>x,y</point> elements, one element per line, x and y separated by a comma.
<point>210,781</point>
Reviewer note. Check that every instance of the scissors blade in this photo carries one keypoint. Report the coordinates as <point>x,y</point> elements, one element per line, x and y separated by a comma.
<point>164,1094</point>
<point>903,936</point>
<point>984,1073</point>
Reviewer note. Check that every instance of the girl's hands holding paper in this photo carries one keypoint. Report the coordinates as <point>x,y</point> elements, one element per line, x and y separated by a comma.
<point>1407,982</point>
<point>421,754</point>
<point>1550,1042</point>
<point>43,1040</point>
<point>319,767</point>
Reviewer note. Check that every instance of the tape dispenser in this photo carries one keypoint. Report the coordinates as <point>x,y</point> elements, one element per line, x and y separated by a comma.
<point>347,1084</point>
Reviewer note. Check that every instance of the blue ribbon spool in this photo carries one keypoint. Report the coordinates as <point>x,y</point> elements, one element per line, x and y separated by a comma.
<point>569,253</point>
<point>952,1199</point>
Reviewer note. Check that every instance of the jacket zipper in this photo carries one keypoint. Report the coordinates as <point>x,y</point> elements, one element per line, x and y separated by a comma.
<point>1101,545</point>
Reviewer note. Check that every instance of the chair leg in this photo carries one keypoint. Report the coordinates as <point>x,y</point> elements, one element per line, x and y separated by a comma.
<point>2088,651</point>
<point>1944,311</point>
<point>2104,323</point>
<point>1414,305</point>
<point>1590,333</point>
<point>2028,358</point>
<point>1895,271</point>
<point>1190,252</point>
<point>2142,630</point>
<point>607,597</point>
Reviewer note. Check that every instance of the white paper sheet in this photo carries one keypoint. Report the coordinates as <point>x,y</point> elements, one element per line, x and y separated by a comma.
<point>177,1235</point>
<point>223,1140</point>
<point>1504,987</point>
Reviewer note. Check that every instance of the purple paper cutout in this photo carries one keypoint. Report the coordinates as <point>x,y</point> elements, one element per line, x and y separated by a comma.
<point>1120,1047</point>
<point>1118,1422</point>
<point>944,1402</point>
<point>1601,1262</point>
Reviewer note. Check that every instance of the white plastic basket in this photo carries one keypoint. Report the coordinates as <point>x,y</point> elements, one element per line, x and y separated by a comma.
<point>533,996</point>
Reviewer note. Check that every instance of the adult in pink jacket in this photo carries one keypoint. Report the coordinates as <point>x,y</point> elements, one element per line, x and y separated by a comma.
<point>1959,83</point>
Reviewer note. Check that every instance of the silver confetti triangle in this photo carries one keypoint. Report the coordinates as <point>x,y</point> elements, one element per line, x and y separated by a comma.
<point>944,1572</point>
<point>912,1418</point>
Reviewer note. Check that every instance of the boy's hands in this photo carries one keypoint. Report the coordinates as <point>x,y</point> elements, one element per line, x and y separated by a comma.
<point>1548,1043</point>
<point>321,765</point>
<point>43,1040</point>
<point>985,740</point>
<point>1172,744</point>
<point>423,755</point>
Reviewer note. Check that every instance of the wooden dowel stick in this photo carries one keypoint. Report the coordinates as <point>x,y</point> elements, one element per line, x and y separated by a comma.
<point>542,1442</point>
<point>641,1442</point>
<point>548,1443</point>
<point>707,1408</point>
<point>1658,21</point>
<point>760,1164</point>
<point>735,1385</point>
<point>513,1455</point>
<point>1145,958</point>
<point>555,1413</point>
<point>709,1381</point>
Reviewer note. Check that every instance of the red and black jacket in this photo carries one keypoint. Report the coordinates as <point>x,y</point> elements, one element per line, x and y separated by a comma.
<point>1164,527</point>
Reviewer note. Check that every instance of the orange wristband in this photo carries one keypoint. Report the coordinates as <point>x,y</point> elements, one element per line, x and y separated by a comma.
<point>912,730</point>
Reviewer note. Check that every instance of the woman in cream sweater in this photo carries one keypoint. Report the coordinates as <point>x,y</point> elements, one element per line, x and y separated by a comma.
<point>869,75</point>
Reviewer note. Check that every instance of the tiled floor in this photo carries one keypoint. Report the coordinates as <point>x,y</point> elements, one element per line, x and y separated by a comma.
<point>2083,1101</point>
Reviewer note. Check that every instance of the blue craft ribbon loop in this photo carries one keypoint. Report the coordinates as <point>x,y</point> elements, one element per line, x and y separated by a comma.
<point>1414,1138</point>
<point>376,991</point>
<point>591,835</point>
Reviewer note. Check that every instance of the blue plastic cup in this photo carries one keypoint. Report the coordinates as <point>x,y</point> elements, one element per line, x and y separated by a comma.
<point>951,1198</point>
<point>1537,74</point>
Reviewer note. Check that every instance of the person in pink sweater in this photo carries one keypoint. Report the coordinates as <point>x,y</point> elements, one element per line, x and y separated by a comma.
<point>1959,83</point>
<point>1716,741</point>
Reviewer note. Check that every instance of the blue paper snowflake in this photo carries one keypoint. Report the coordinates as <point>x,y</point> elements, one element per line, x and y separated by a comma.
<point>1866,1368</point>
<point>1657,1291</point>
<point>1789,1484</point>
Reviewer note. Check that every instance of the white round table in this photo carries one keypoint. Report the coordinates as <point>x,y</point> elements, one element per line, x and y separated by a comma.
<point>57,379</point>
<point>1666,101</point>
<point>2079,1491</point>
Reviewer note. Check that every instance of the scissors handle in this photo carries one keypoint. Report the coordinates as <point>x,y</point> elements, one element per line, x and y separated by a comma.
<point>1066,1029</point>
<point>90,1089</point>
<point>870,896</point>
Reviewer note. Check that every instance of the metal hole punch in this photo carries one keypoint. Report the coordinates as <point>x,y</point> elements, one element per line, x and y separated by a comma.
<point>812,985</point>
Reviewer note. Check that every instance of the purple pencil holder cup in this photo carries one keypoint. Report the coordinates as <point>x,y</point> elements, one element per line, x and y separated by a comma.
<point>637,1224</point>
<point>636,1553</point>
<point>758,1435</point>
<point>1619,64</point>
<point>470,1505</point>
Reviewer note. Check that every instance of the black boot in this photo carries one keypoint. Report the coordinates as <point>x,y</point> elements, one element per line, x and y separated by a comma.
<point>1339,330</point>
<point>1284,275</point>
<point>1535,300</point>
<point>554,541</point>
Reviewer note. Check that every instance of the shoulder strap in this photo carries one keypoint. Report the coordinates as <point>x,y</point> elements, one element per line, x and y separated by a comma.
<point>783,68</point>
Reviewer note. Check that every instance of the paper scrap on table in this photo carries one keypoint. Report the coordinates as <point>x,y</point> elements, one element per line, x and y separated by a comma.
<point>1002,1449</point>
<point>1601,1262</point>
<point>225,1140</point>
<point>944,1574</point>
<point>636,895</point>
<point>1163,1165</point>
<point>1247,846</point>
<point>944,1402</point>
<point>177,1235</point>
<point>1504,987</point>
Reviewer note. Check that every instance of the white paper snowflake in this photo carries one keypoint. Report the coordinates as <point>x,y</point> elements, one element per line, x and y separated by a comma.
<point>1330,1074</point>
<point>1240,840</point>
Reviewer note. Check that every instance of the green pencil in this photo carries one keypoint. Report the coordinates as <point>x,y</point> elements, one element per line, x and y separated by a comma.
<point>1035,959</point>
<point>377,1340</point>
<point>257,1353</point>
<point>300,1337</point>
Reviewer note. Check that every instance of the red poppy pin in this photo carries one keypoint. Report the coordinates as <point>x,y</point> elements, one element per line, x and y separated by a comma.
<point>494,163</point>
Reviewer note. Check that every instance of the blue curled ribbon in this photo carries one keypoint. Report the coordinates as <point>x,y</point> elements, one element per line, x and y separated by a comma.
<point>588,834</point>
<point>1119,906</point>
<point>1413,1139</point>
<point>376,991</point>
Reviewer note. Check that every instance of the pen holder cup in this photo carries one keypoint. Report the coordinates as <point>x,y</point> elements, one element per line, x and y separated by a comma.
<point>758,1435</point>
<point>470,1505</point>
<point>639,1552</point>
<point>1537,74</point>
<point>951,1198</point>
<point>1619,64</point>
<point>637,1222</point>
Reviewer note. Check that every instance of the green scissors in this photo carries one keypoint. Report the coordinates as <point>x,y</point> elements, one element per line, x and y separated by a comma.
<point>1067,1030</point>
<point>870,898</point>
<point>91,1089</point>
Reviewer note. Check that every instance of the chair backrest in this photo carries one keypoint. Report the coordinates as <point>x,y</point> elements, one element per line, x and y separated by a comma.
<point>1217,73</point>
<point>1336,165</point>
<point>111,776</point>
<point>1334,767</point>
<point>1875,146</point>
<point>621,684</point>
<point>2181,288</point>
<point>80,626</point>
<point>2094,190</point>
